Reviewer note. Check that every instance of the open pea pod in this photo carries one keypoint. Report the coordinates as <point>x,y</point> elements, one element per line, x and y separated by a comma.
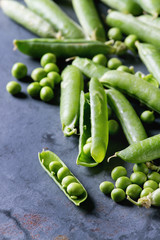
<point>94,124</point>
<point>46,159</point>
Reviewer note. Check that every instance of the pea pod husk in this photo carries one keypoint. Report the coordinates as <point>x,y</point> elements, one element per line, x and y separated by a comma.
<point>45,157</point>
<point>148,19</point>
<point>150,6</point>
<point>71,86</point>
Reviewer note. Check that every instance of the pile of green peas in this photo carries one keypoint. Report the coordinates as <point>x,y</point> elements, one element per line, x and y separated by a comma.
<point>140,184</point>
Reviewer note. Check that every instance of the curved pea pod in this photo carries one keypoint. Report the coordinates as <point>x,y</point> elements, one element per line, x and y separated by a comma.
<point>89,19</point>
<point>71,86</point>
<point>51,12</point>
<point>63,48</point>
<point>134,86</point>
<point>129,24</point>
<point>150,56</point>
<point>148,19</point>
<point>45,158</point>
<point>130,122</point>
<point>125,6</point>
<point>150,6</point>
<point>89,68</point>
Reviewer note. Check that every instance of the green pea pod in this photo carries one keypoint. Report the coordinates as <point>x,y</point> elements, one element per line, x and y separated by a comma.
<point>142,151</point>
<point>51,12</point>
<point>148,19</point>
<point>134,86</point>
<point>63,48</point>
<point>150,56</point>
<point>71,86</point>
<point>150,6</point>
<point>28,19</point>
<point>125,6</point>
<point>130,122</point>
<point>89,19</point>
<point>129,24</point>
<point>89,68</point>
<point>45,158</point>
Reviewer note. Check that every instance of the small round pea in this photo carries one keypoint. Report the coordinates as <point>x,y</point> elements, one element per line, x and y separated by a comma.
<point>138,178</point>
<point>106,187</point>
<point>114,63</point>
<point>37,74</point>
<point>146,191</point>
<point>130,42</point>
<point>140,167</point>
<point>33,89</point>
<point>123,182</point>
<point>75,189</point>
<point>19,70</point>
<point>118,195</point>
<point>87,149</point>
<point>67,180</point>
<point>155,197</point>
<point>54,166</point>
<point>100,59</point>
<point>56,78</point>
<point>118,172</point>
<point>51,67</point>
<point>63,172</point>
<point>124,68</point>
<point>115,34</point>
<point>13,87</point>
<point>133,191</point>
<point>147,116</point>
<point>150,183</point>
<point>89,140</point>
<point>155,176</point>
<point>47,82</point>
<point>46,94</point>
<point>48,58</point>
<point>113,126</point>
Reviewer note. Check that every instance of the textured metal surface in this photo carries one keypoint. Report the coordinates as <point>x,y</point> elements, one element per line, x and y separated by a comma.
<point>31,205</point>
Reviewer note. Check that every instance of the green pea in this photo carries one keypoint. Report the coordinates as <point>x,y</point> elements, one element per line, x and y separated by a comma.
<point>75,189</point>
<point>67,180</point>
<point>13,87</point>
<point>118,172</point>
<point>37,74</point>
<point>48,58</point>
<point>124,68</point>
<point>19,70</point>
<point>130,42</point>
<point>123,182</point>
<point>155,176</point>
<point>113,126</point>
<point>33,89</point>
<point>100,59</point>
<point>133,191</point>
<point>51,67</point>
<point>146,191</point>
<point>47,82</point>
<point>56,78</point>
<point>114,63</point>
<point>115,34</point>
<point>89,140</point>
<point>118,195</point>
<point>150,183</point>
<point>147,116</point>
<point>63,172</point>
<point>138,178</point>
<point>140,167</point>
<point>87,149</point>
<point>46,94</point>
<point>106,187</point>
<point>54,166</point>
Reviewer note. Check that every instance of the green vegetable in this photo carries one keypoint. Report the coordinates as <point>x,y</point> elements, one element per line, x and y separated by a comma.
<point>115,34</point>
<point>146,191</point>
<point>117,195</point>
<point>88,17</point>
<point>140,167</point>
<point>55,166</point>
<point>122,182</point>
<point>28,19</point>
<point>75,189</point>
<point>67,180</point>
<point>55,77</point>
<point>147,116</point>
<point>71,86</point>
<point>154,176</point>
<point>148,19</point>
<point>113,127</point>
<point>130,41</point>
<point>51,12</point>
<point>87,149</point>
<point>47,82</point>
<point>45,158</point>
<point>114,63</point>
<point>149,78</point>
<point>48,58</point>
<point>133,191</point>
<point>33,89</point>
<point>138,178</point>
<point>51,67</point>
<point>106,187</point>
<point>100,59</point>
<point>150,6</point>
<point>151,183</point>
<point>124,68</point>
<point>46,94</point>
<point>19,70</point>
<point>13,87</point>
<point>62,173</point>
<point>118,172</point>
<point>38,73</point>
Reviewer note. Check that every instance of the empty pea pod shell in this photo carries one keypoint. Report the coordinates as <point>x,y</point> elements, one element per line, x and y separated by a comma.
<point>45,158</point>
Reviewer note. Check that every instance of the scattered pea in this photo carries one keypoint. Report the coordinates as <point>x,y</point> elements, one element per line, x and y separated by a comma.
<point>118,172</point>
<point>155,176</point>
<point>118,195</point>
<point>75,189</point>
<point>106,187</point>
<point>138,178</point>
<point>150,183</point>
<point>147,116</point>
<point>33,89</point>
<point>87,149</point>
<point>63,172</point>
<point>115,34</point>
<point>48,58</point>
<point>54,166</point>
<point>100,59</point>
<point>130,42</point>
<point>46,94</point>
<point>67,180</point>
<point>51,67</point>
<point>13,87</point>
<point>123,182</point>
<point>133,191</point>
<point>140,167</point>
<point>19,70</point>
<point>146,191</point>
<point>56,78</point>
<point>114,63</point>
<point>47,82</point>
<point>124,68</point>
<point>113,126</point>
<point>37,74</point>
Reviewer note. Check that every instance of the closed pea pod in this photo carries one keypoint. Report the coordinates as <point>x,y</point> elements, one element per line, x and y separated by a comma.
<point>71,86</point>
<point>148,19</point>
<point>150,6</point>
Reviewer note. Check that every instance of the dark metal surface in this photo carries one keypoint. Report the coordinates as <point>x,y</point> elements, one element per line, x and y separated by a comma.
<point>31,205</point>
